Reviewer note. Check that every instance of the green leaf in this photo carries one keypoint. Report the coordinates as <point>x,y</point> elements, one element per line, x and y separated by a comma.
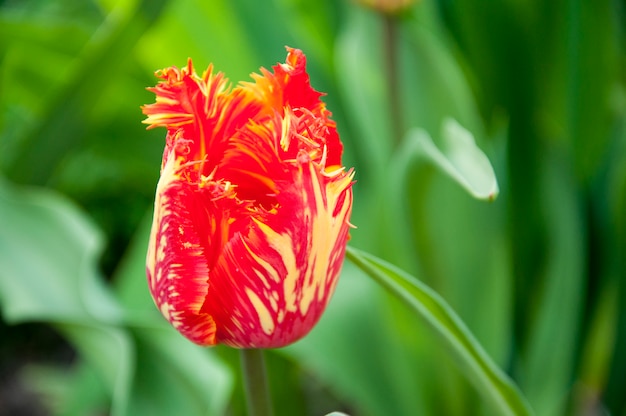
<point>458,157</point>
<point>616,196</point>
<point>174,376</point>
<point>554,331</point>
<point>48,272</point>
<point>461,245</point>
<point>361,82</point>
<point>131,286</point>
<point>48,261</point>
<point>66,118</point>
<point>111,352</point>
<point>410,177</point>
<point>494,385</point>
<point>434,84</point>
<point>76,391</point>
<point>593,77</point>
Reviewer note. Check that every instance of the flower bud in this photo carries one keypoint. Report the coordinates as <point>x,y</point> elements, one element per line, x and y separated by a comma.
<point>388,6</point>
<point>252,207</point>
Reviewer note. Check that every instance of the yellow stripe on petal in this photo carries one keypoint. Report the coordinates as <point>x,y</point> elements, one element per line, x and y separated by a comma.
<point>265,317</point>
<point>302,282</point>
<point>283,244</point>
<point>327,226</point>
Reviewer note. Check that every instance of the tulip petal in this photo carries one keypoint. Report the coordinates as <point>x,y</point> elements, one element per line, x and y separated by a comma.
<point>273,281</point>
<point>184,241</point>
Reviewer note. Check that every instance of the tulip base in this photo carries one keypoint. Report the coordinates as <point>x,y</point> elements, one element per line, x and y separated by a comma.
<point>255,382</point>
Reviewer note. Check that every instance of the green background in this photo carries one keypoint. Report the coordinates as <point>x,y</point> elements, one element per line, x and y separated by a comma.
<point>538,274</point>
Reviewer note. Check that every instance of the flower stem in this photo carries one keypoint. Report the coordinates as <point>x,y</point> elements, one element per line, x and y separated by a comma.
<point>255,382</point>
<point>390,24</point>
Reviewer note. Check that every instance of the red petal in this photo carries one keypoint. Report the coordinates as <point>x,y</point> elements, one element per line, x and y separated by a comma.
<point>289,88</point>
<point>274,280</point>
<point>203,110</point>
<point>184,244</point>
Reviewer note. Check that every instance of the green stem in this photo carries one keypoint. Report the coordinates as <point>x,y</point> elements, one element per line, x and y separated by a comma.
<point>390,23</point>
<point>255,382</point>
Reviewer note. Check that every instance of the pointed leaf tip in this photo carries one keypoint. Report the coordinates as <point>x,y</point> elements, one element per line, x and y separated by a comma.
<point>469,160</point>
<point>459,157</point>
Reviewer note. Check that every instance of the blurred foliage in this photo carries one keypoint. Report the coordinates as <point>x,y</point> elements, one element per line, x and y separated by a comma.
<point>538,275</point>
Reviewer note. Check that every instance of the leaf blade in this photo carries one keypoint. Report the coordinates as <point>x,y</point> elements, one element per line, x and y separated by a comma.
<point>477,365</point>
<point>457,156</point>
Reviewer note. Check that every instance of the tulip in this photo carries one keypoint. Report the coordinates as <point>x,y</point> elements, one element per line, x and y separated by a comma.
<point>252,208</point>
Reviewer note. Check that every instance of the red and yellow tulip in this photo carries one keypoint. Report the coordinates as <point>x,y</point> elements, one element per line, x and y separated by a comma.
<point>252,208</point>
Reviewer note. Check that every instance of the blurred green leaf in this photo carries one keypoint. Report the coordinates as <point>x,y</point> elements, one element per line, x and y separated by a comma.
<point>615,196</point>
<point>174,376</point>
<point>410,178</point>
<point>73,392</point>
<point>458,157</point>
<point>363,89</point>
<point>201,31</point>
<point>237,37</point>
<point>593,77</point>
<point>463,251</point>
<point>434,86</point>
<point>112,353</point>
<point>314,26</point>
<point>64,123</point>
<point>130,281</point>
<point>48,254</point>
<point>48,260</point>
<point>548,364</point>
<point>598,348</point>
<point>494,385</point>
